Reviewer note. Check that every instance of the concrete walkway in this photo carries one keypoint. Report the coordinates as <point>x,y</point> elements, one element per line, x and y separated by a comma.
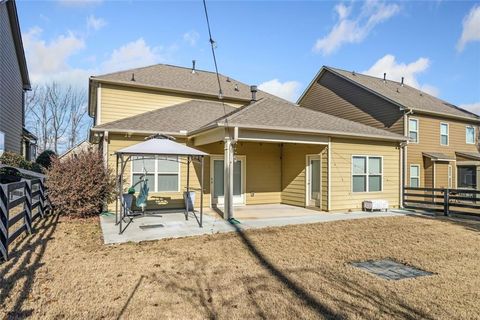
<point>174,225</point>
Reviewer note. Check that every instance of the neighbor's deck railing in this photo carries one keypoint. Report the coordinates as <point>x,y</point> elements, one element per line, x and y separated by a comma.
<point>21,203</point>
<point>448,201</point>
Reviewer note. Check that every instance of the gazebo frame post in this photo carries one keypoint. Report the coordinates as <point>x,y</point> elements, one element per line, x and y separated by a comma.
<point>116,185</point>
<point>188,189</point>
<point>201,191</point>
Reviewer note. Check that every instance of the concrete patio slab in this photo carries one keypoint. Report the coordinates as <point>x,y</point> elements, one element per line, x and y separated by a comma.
<point>173,224</point>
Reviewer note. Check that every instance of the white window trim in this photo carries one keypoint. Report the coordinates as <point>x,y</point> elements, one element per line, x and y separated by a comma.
<point>466,134</point>
<point>417,131</point>
<point>366,174</point>
<point>448,134</point>
<point>156,173</point>
<point>410,175</point>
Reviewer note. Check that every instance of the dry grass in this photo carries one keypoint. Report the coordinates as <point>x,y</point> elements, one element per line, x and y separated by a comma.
<point>64,271</point>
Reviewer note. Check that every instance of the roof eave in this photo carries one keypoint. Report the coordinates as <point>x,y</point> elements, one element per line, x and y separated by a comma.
<point>299,130</point>
<point>440,114</point>
<point>17,39</point>
<point>133,131</point>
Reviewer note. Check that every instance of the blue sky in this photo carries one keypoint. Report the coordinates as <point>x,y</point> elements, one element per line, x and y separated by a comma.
<point>278,45</point>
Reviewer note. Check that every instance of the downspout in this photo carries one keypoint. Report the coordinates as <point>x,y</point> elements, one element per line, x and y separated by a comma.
<point>404,154</point>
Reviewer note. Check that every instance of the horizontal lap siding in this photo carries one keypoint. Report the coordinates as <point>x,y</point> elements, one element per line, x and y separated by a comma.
<point>294,171</point>
<point>342,197</point>
<point>119,102</point>
<point>336,96</point>
<point>11,87</point>
<point>429,141</point>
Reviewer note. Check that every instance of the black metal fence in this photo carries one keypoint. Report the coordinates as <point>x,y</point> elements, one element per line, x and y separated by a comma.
<point>447,201</point>
<point>21,203</point>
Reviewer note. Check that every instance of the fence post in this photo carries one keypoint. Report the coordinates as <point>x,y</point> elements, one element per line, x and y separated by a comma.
<point>446,200</point>
<point>41,207</point>
<point>28,205</point>
<point>4,217</point>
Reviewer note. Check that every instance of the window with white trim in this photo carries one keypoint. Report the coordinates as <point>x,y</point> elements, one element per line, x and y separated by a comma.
<point>367,174</point>
<point>413,130</point>
<point>470,135</point>
<point>2,143</point>
<point>162,173</point>
<point>444,134</point>
<point>414,176</point>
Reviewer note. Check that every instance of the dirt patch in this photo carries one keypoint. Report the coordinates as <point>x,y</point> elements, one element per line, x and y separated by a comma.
<point>64,271</point>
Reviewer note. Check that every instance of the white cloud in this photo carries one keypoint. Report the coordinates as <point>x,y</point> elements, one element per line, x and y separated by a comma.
<point>49,58</point>
<point>471,28</point>
<point>288,90</point>
<point>354,29</point>
<point>396,70</point>
<point>472,107</point>
<point>95,23</point>
<point>134,54</point>
<point>191,37</point>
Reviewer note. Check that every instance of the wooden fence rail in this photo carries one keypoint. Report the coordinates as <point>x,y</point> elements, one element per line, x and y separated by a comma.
<point>21,203</point>
<point>447,201</point>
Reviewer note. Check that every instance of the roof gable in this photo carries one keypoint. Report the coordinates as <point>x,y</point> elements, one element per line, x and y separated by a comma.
<point>403,96</point>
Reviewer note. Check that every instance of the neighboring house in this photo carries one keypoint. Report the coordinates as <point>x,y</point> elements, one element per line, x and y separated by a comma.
<point>276,151</point>
<point>14,82</point>
<point>443,150</point>
<point>73,152</point>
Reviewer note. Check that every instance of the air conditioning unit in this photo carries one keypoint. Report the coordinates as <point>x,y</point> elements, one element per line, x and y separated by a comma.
<point>379,204</point>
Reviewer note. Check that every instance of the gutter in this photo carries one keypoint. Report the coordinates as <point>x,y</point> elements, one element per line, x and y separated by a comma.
<point>178,134</point>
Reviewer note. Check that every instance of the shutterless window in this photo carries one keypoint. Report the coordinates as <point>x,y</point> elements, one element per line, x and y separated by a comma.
<point>163,173</point>
<point>470,135</point>
<point>2,143</point>
<point>444,134</point>
<point>366,174</point>
<point>414,176</point>
<point>413,130</point>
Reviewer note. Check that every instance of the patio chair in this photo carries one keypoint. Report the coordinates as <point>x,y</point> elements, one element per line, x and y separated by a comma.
<point>127,206</point>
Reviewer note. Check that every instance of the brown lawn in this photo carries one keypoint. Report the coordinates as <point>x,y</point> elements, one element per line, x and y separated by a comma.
<point>64,271</point>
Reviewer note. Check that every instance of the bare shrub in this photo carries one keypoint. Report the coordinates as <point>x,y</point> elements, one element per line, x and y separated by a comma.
<point>80,186</point>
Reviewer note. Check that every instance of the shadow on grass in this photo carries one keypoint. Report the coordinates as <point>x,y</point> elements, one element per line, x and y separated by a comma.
<point>125,306</point>
<point>25,259</point>
<point>469,223</point>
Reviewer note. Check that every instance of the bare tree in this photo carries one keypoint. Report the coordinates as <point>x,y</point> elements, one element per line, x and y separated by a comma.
<point>78,111</point>
<point>57,115</point>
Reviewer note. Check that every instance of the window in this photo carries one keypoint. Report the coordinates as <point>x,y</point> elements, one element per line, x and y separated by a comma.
<point>467,177</point>
<point>2,143</point>
<point>413,130</point>
<point>366,174</point>
<point>415,176</point>
<point>444,134</point>
<point>470,135</point>
<point>162,173</point>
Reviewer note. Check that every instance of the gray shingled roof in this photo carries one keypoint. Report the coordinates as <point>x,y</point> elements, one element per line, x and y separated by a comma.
<point>182,79</point>
<point>187,116</point>
<point>471,155</point>
<point>282,115</point>
<point>406,96</point>
<point>437,156</point>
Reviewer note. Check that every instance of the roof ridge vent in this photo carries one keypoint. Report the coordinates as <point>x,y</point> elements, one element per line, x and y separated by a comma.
<point>353,73</point>
<point>228,79</point>
<point>236,87</point>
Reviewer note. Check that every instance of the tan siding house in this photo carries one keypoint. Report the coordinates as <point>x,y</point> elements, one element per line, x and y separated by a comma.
<point>14,82</point>
<point>277,152</point>
<point>428,161</point>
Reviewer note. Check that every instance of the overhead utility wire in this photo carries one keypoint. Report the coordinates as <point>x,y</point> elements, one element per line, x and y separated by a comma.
<point>212,44</point>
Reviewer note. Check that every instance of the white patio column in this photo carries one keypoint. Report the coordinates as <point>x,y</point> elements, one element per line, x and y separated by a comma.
<point>228,178</point>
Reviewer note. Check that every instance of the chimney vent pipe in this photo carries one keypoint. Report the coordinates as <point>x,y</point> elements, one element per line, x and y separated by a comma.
<point>384,77</point>
<point>402,81</point>
<point>193,66</point>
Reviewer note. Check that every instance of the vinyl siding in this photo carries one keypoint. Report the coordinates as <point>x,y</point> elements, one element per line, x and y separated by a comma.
<point>119,102</point>
<point>11,87</point>
<point>342,197</point>
<point>294,173</point>
<point>336,96</point>
<point>429,141</point>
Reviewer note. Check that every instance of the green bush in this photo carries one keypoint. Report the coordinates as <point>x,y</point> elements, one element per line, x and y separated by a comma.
<point>45,158</point>
<point>15,160</point>
<point>80,186</point>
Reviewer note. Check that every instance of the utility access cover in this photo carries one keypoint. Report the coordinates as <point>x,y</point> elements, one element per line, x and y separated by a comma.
<point>390,270</point>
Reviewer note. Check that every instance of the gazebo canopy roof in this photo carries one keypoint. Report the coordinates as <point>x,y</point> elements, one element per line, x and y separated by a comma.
<point>158,146</point>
